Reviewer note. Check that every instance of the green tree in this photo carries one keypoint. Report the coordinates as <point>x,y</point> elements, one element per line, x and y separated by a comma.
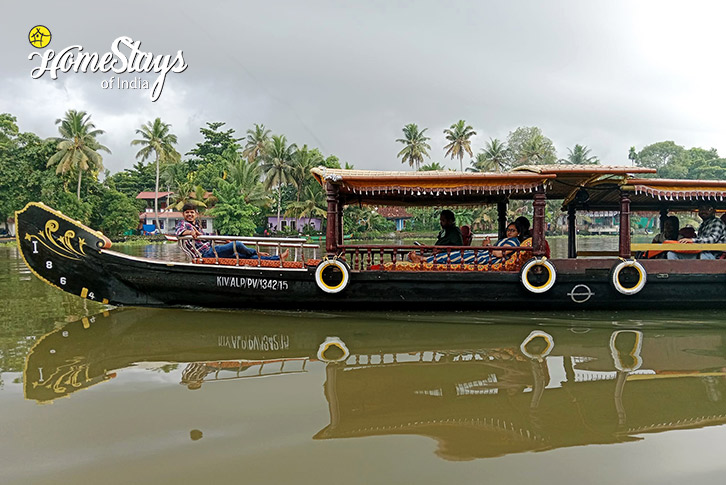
<point>23,173</point>
<point>528,146</point>
<point>8,129</point>
<point>432,167</point>
<point>633,156</point>
<point>302,161</point>
<point>459,135</point>
<point>116,214</point>
<point>245,177</point>
<point>365,222</point>
<point>276,166</point>
<point>188,193</point>
<point>313,204</point>
<point>255,142</point>
<point>415,145</point>
<point>232,215</point>
<point>703,164</point>
<point>156,138</point>
<point>493,158</point>
<point>660,154</point>
<point>580,155</point>
<point>77,147</point>
<point>213,147</point>
<point>136,179</point>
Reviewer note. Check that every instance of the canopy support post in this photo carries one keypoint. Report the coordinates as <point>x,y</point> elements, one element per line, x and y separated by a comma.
<point>502,219</point>
<point>571,232</point>
<point>331,234</point>
<point>341,229</point>
<point>538,242</point>
<point>624,245</point>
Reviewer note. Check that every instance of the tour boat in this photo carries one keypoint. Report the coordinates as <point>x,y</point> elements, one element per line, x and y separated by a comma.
<point>345,275</point>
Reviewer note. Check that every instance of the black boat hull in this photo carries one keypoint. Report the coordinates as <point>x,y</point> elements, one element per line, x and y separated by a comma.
<point>76,259</point>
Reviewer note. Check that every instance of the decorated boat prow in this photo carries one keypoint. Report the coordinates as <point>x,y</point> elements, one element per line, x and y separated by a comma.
<point>65,254</point>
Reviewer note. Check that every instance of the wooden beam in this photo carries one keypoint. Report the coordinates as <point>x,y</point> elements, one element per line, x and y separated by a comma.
<point>677,248</point>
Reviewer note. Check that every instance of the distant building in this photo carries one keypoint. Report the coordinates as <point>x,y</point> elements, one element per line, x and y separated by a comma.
<point>286,223</point>
<point>398,215</point>
<point>168,218</point>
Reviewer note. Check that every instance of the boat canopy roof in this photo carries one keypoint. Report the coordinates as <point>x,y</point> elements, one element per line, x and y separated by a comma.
<point>431,188</point>
<point>591,187</point>
<point>675,194</point>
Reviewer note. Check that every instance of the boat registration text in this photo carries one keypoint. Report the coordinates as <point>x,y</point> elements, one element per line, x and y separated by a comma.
<point>252,283</point>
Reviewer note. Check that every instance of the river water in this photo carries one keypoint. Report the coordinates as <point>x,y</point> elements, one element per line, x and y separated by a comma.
<point>116,396</point>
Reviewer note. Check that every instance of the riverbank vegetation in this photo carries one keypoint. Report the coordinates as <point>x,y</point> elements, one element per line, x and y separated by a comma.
<point>242,178</point>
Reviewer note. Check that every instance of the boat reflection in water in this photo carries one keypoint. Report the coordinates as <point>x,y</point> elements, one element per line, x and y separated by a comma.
<point>478,390</point>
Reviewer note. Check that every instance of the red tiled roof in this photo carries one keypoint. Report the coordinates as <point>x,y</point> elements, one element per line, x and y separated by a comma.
<point>394,213</point>
<point>150,195</point>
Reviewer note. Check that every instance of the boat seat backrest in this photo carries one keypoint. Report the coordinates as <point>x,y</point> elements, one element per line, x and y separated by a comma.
<point>187,245</point>
<point>466,235</point>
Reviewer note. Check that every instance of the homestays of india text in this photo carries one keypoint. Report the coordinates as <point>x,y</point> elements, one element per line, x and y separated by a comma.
<point>125,57</point>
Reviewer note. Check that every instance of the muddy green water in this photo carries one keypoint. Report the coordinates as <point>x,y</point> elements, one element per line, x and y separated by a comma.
<point>94,395</point>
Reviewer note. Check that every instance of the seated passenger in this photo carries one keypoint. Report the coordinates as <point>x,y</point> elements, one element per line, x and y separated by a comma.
<point>450,234</point>
<point>523,226</point>
<point>188,227</point>
<point>687,231</point>
<point>670,231</point>
<point>712,231</point>
<point>468,256</point>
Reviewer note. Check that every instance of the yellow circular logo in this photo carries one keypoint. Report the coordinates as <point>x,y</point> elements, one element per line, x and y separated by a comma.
<point>39,36</point>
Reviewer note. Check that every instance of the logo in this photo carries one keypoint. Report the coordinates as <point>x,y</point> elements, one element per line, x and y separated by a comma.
<point>39,36</point>
<point>125,57</point>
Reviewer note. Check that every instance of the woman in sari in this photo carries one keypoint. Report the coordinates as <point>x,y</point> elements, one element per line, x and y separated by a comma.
<point>469,256</point>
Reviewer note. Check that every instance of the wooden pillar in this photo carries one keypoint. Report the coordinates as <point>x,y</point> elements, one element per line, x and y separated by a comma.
<point>624,245</point>
<point>571,232</point>
<point>538,233</point>
<point>663,217</point>
<point>341,229</point>
<point>331,234</point>
<point>502,219</point>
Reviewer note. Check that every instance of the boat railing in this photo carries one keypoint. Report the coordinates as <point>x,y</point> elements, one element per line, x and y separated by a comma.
<point>373,257</point>
<point>278,244</point>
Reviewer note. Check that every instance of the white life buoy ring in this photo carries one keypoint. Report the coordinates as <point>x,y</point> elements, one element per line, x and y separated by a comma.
<point>615,277</point>
<point>535,334</point>
<point>336,343</point>
<point>538,262</point>
<point>332,287</point>
<point>634,360</point>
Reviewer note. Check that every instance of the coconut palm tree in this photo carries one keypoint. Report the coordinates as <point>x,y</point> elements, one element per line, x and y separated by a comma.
<point>432,167</point>
<point>188,193</point>
<point>580,155</point>
<point>459,135</point>
<point>534,150</point>
<point>312,205</point>
<point>494,158</point>
<point>77,146</point>
<point>276,166</point>
<point>156,138</point>
<point>415,148</point>
<point>245,176</point>
<point>303,160</point>
<point>256,142</point>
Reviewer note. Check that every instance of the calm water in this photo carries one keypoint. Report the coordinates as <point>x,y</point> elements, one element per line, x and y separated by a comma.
<point>118,396</point>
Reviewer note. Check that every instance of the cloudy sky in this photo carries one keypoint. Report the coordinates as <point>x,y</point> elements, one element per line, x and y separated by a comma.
<point>346,76</point>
